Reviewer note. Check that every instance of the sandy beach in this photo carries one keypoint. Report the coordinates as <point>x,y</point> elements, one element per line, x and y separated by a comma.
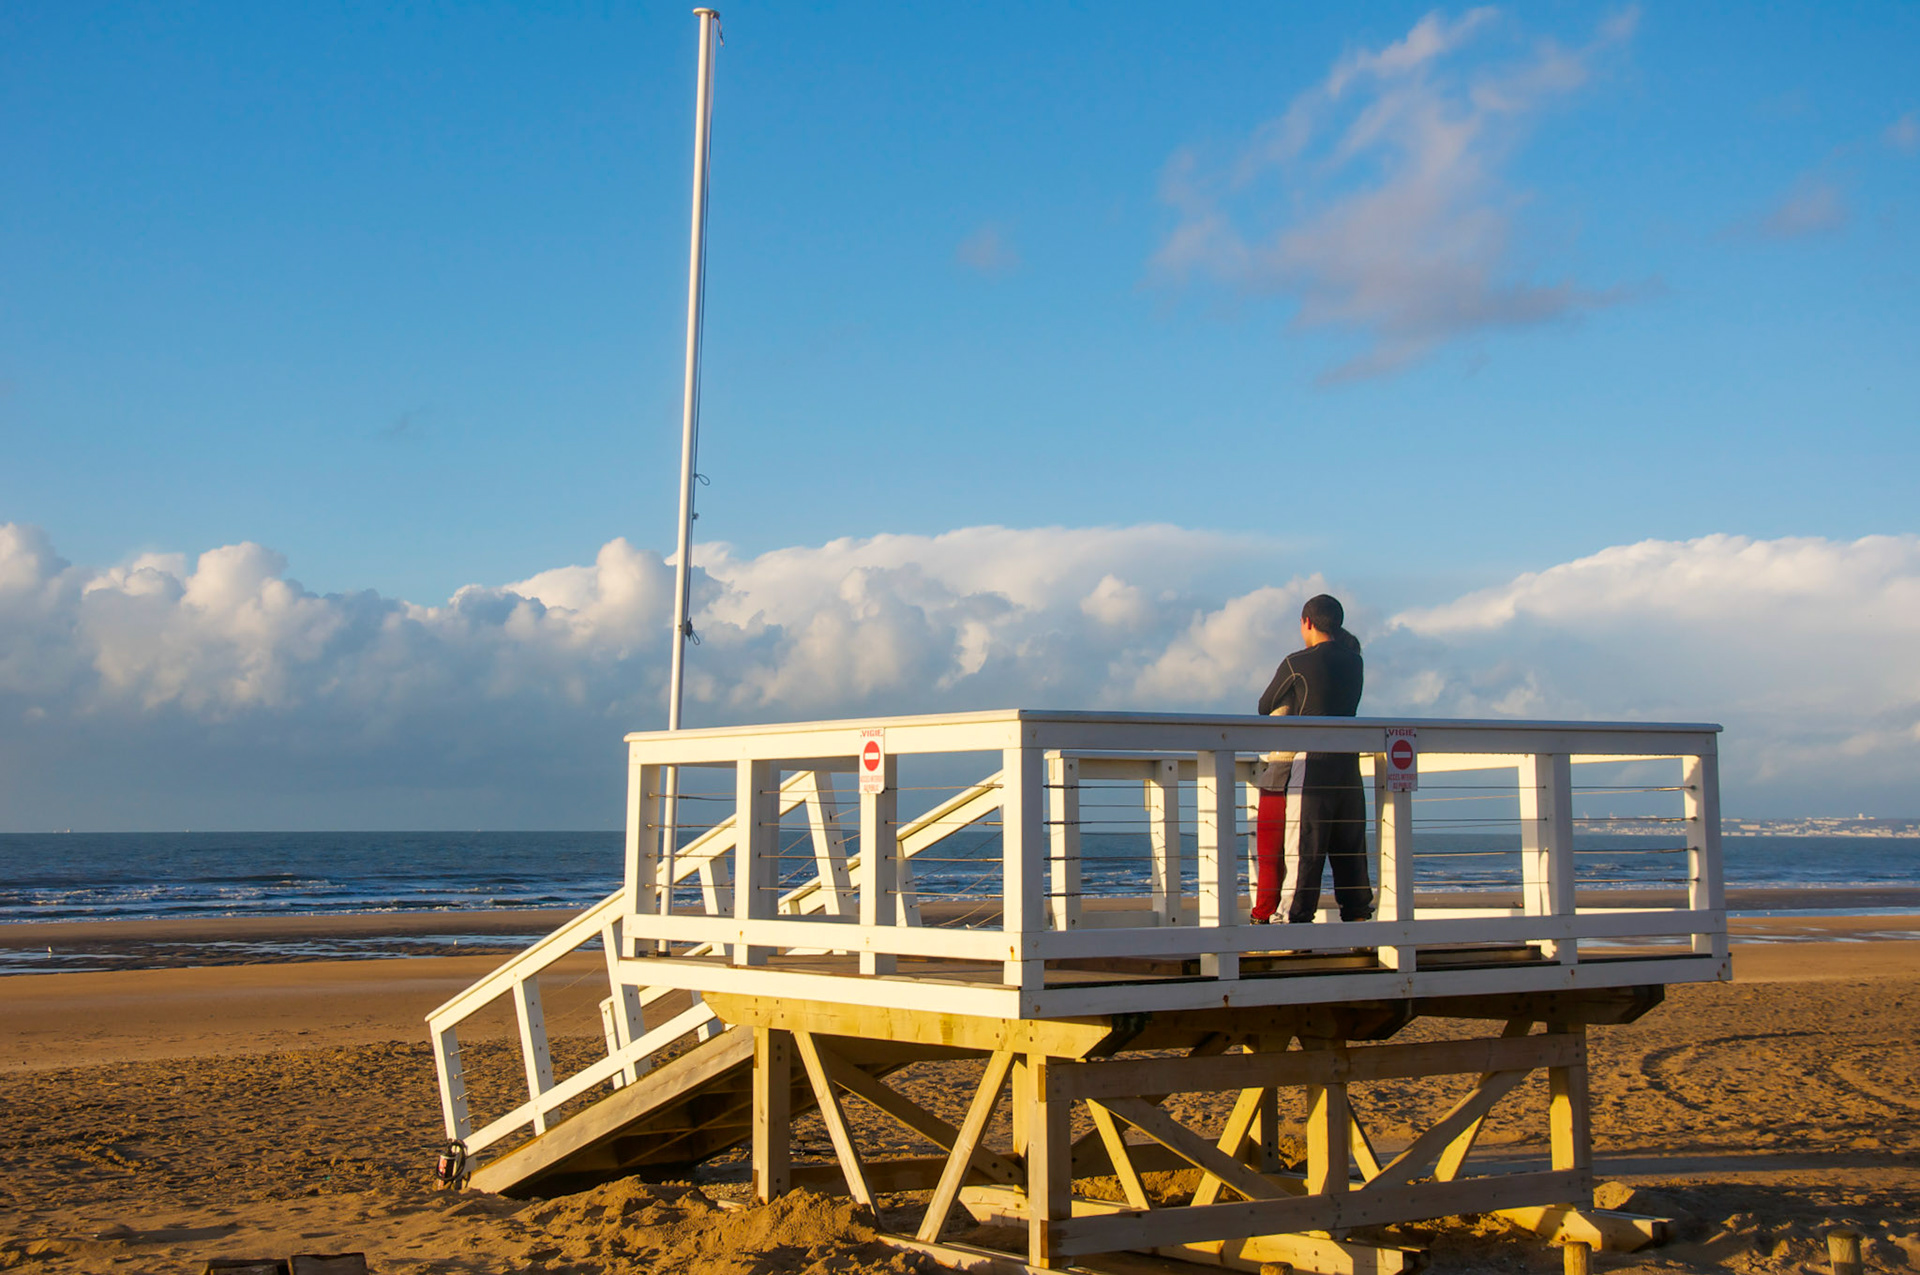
<point>152,1119</point>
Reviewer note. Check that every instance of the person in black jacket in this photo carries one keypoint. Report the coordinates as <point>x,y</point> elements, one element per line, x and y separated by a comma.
<point>1329,823</point>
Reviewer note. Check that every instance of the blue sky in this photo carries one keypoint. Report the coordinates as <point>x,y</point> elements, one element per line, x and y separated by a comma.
<point>1413,301</point>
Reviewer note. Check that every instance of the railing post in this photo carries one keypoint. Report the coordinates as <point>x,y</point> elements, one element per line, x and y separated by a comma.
<point>533,1044</point>
<point>880,861</point>
<point>453,1083</point>
<point>645,833</point>
<point>1546,844</point>
<point>1023,866</point>
<point>624,1018</point>
<point>1063,806</point>
<point>829,846</point>
<point>1393,824</point>
<point>1706,887</point>
<point>1163,832</point>
<point>756,827</point>
<point>1214,826</point>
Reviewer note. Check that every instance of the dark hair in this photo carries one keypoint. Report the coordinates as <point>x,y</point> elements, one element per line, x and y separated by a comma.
<point>1324,612</point>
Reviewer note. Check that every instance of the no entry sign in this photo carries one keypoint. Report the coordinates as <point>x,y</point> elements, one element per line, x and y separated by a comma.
<point>1403,759</point>
<point>873,761</point>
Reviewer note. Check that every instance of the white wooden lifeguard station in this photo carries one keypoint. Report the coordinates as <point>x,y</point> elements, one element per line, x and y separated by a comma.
<point>788,957</point>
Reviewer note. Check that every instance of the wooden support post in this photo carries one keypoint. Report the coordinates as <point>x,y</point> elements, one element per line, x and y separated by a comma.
<point>1020,1111</point>
<point>1023,840</point>
<point>1568,1113</point>
<point>960,1159</point>
<point>533,1045</point>
<point>1267,1127</point>
<point>772,1112</point>
<point>1049,1161</point>
<point>831,1115</point>
<point>1063,810</point>
<point>1843,1252</point>
<point>1329,1158</point>
<point>756,826</point>
<point>1163,834</point>
<point>1546,844</point>
<point>1700,803</point>
<point>1213,820</point>
<point>1393,818</point>
<point>1577,1255</point>
<point>879,862</point>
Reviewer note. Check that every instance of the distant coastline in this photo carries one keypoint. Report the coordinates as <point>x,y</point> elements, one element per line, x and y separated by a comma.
<point>1811,826</point>
<point>1820,827</point>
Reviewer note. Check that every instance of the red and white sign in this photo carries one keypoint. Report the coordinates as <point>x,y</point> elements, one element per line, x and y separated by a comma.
<point>873,761</point>
<point>1403,759</point>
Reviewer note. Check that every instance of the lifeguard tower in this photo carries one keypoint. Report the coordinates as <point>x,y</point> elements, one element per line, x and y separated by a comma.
<point>786,950</point>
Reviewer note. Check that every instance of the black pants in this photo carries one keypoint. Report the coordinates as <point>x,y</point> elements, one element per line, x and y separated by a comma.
<point>1333,832</point>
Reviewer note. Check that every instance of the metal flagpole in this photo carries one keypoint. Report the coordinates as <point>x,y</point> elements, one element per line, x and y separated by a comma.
<point>689,440</point>
<point>690,410</point>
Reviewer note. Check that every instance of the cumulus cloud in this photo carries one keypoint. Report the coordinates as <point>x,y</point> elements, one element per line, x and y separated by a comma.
<point>217,679</point>
<point>1807,649</point>
<point>1377,200</point>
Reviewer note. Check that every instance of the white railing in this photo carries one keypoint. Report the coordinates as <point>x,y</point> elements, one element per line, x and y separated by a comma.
<point>1192,771</point>
<point>712,914</point>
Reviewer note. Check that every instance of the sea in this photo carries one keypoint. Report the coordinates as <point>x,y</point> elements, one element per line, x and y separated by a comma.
<point>52,877</point>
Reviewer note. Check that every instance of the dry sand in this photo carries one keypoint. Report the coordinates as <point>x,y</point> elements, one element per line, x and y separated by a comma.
<point>151,1120</point>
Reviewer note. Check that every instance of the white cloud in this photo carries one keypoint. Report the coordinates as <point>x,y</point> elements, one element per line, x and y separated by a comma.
<point>1391,218</point>
<point>1807,649</point>
<point>217,679</point>
<point>988,250</point>
<point>1814,206</point>
<point>1904,133</point>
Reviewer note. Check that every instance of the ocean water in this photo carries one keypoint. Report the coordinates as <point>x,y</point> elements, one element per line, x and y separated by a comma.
<point>137,876</point>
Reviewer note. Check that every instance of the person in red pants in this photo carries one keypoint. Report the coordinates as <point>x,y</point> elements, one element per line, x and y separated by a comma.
<point>1328,827</point>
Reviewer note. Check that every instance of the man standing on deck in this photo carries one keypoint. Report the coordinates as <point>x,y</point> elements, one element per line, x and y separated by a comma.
<point>1321,791</point>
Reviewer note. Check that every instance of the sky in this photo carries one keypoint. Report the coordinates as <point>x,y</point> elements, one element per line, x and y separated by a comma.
<point>1053,355</point>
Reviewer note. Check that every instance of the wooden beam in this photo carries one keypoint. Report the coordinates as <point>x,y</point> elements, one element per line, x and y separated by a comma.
<point>1467,1113</point>
<point>1364,1156</point>
<point>1233,1140</point>
<point>1304,1253</point>
<point>836,1121</point>
<point>1125,1077</point>
<point>1191,1147</point>
<point>772,1113</point>
<point>1116,1144</point>
<point>1455,1156</point>
<point>1246,1218</point>
<point>994,1167</point>
<point>992,1084</point>
<point>1607,1229</point>
<point>963,1033</point>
